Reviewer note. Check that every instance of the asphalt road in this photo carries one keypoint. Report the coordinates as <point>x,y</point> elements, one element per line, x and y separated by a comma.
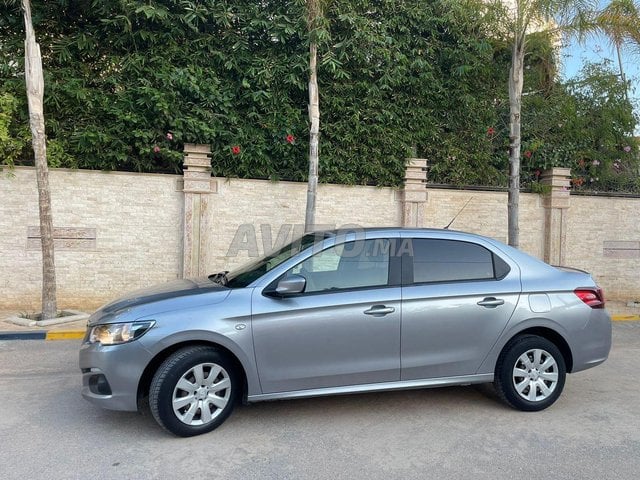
<point>593,432</point>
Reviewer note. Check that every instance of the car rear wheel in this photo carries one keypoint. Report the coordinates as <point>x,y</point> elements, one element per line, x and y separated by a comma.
<point>530,373</point>
<point>193,391</point>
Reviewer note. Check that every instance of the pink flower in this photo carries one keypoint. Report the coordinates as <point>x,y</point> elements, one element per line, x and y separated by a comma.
<point>595,163</point>
<point>491,131</point>
<point>169,136</point>
<point>291,138</point>
<point>627,148</point>
<point>156,149</point>
<point>235,149</point>
<point>528,154</point>
<point>537,173</point>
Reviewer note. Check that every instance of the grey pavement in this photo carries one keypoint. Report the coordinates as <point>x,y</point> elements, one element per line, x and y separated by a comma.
<point>593,432</point>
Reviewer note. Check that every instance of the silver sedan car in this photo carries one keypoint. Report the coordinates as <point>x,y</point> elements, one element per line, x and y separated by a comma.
<point>341,312</point>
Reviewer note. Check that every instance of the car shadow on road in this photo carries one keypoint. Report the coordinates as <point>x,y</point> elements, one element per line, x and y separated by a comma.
<point>361,406</point>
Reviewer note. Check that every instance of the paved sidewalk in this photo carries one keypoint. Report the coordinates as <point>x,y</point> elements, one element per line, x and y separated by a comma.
<point>61,331</point>
<point>8,326</point>
<point>618,308</point>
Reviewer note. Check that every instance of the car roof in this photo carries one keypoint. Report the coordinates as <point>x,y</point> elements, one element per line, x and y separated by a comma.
<point>534,265</point>
<point>348,229</point>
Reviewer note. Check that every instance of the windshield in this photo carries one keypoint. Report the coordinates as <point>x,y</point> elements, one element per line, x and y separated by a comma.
<point>243,276</point>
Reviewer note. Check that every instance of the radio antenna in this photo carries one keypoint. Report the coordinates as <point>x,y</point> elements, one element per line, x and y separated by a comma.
<point>457,214</point>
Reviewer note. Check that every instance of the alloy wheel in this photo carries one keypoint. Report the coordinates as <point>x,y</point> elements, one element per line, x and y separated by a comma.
<point>535,375</point>
<point>201,394</point>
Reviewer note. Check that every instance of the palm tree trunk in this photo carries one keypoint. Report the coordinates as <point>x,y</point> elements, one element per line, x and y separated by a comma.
<point>314,134</point>
<point>516,77</point>
<point>35,94</point>
<point>623,77</point>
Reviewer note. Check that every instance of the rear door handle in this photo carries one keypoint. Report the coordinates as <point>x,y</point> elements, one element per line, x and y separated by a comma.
<point>491,302</point>
<point>379,310</point>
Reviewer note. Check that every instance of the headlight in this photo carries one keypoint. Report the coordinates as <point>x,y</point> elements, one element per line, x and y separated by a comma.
<point>115,333</point>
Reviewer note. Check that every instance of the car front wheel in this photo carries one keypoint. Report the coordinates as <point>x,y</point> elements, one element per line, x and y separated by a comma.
<point>193,391</point>
<point>530,373</point>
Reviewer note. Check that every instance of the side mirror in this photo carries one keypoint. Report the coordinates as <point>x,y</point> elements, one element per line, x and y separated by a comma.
<point>289,285</point>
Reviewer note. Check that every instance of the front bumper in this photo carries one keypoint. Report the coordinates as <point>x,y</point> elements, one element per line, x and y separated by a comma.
<point>121,366</point>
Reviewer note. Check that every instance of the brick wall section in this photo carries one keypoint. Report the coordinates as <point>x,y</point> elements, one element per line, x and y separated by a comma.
<point>592,221</point>
<point>260,202</point>
<point>486,214</point>
<point>138,223</point>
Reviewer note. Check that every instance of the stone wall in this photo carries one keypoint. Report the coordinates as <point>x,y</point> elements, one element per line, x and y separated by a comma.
<point>121,231</point>
<point>269,209</point>
<point>603,237</point>
<point>137,225</point>
<point>485,213</point>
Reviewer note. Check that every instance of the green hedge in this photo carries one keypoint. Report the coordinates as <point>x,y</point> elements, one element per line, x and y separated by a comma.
<point>129,82</point>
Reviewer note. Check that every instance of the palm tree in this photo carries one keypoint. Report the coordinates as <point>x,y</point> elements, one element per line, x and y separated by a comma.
<point>35,94</point>
<point>314,18</point>
<point>621,16</point>
<point>618,22</point>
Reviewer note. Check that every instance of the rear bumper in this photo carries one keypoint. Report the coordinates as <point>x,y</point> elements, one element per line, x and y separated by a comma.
<point>121,366</point>
<point>592,344</point>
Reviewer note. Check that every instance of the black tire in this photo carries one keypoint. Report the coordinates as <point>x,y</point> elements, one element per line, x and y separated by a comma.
<point>185,362</point>
<point>506,375</point>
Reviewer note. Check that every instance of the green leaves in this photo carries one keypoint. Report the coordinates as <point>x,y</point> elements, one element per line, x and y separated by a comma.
<point>120,75</point>
<point>153,12</point>
<point>393,75</point>
<point>584,125</point>
<point>11,147</point>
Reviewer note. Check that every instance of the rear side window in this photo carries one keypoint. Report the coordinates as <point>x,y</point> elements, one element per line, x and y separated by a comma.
<point>434,260</point>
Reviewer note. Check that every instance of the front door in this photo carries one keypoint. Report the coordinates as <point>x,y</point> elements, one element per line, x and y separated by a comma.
<point>344,329</point>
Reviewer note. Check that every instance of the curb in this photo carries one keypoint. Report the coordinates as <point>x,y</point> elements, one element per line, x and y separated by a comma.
<point>44,335</point>
<point>71,316</point>
<point>66,334</point>
<point>625,318</point>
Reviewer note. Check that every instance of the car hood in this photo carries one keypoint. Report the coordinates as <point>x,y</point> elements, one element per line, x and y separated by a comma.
<point>159,298</point>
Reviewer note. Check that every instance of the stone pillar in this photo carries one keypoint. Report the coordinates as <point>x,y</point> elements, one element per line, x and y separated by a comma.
<point>555,200</point>
<point>197,187</point>
<point>414,195</point>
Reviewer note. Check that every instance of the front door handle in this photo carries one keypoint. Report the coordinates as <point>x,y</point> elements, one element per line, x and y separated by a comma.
<point>491,302</point>
<point>379,310</point>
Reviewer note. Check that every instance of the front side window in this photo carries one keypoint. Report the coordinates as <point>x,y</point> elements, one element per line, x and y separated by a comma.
<point>363,263</point>
<point>435,260</point>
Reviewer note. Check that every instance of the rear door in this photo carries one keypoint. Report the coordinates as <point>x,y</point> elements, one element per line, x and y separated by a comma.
<point>457,298</point>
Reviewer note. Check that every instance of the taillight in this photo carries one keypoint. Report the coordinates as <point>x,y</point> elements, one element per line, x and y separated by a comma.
<point>594,297</point>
